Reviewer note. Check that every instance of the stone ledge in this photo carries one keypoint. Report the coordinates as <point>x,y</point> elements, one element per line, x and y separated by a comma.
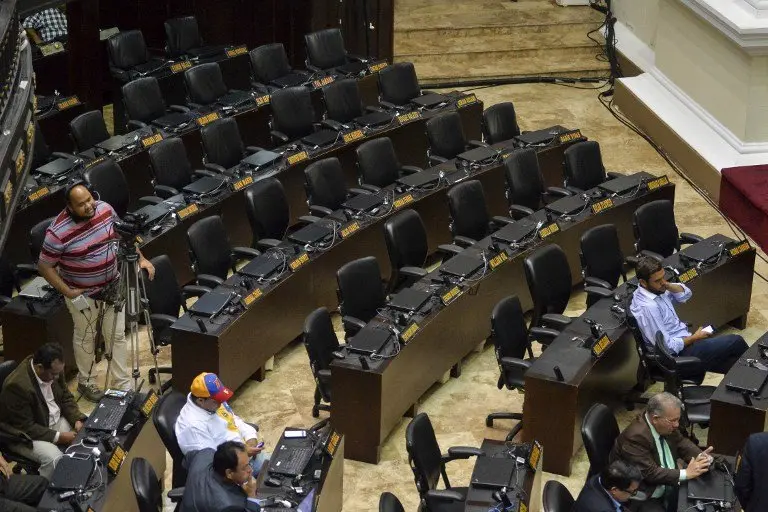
<point>745,22</point>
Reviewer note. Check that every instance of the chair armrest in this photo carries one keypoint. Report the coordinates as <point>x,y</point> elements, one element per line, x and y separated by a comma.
<point>357,58</point>
<point>199,173</point>
<point>134,124</point>
<point>613,175</point>
<point>370,188</point>
<point>596,281</point>
<point>245,253</point>
<point>316,209</point>
<point>147,200</point>
<point>515,363</point>
<point>631,261</point>
<point>26,269</point>
<point>194,106</point>
<point>658,257</point>
<point>267,243</point>
<point>324,375</point>
<point>352,324</point>
<point>176,494</point>
<point>598,291</point>
<point>311,67</point>
<point>278,135</point>
<point>208,280</point>
<point>464,241</point>
<point>333,125</point>
<point>410,169</point>
<point>558,191</point>
<point>4,301</point>
<point>462,452</point>
<point>373,108</point>
<point>449,249</point>
<point>161,321</point>
<point>389,106</point>
<point>68,156</point>
<point>253,149</point>
<point>446,495</point>
<point>517,211</point>
<point>574,190</point>
<point>194,290</point>
<point>688,365</point>
<point>477,144</point>
<point>543,335</point>
<point>435,160</point>
<point>501,221</point>
<point>364,191</point>
<point>416,272</point>
<point>308,219</point>
<point>555,321</point>
<point>178,108</point>
<point>690,238</point>
<point>215,168</point>
<point>165,191</point>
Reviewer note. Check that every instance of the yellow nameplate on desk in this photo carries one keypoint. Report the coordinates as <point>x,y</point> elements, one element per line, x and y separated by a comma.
<point>451,295</point>
<point>297,157</point>
<point>375,68</point>
<point>262,100</point>
<point>600,345</point>
<point>149,404</point>
<point>178,67</point>
<point>251,297</point>
<point>189,210</point>
<point>658,182</point>
<point>139,240</point>
<point>535,455</point>
<point>353,136</point>
<point>407,334</point>
<point>30,133</point>
<point>239,50</point>
<point>323,81</point>
<point>410,116</point>
<point>90,509</point>
<point>20,161</point>
<point>570,136</point>
<point>37,194</point>
<point>333,443</point>
<point>51,48</point>
<point>208,118</point>
<point>404,200</point>
<point>152,139</point>
<point>689,274</point>
<point>549,230</point>
<point>466,101</point>
<point>66,103</point>
<point>742,247</point>
<point>521,506</point>
<point>498,260</point>
<point>298,262</point>
<point>116,460</point>
<point>349,229</point>
<point>602,205</point>
<point>95,161</point>
<point>238,185</point>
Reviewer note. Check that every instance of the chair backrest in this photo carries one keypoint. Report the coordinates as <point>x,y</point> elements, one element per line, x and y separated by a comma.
<point>163,293</point>
<point>423,453</point>
<point>269,62</point>
<point>469,213</point>
<point>292,112</point>
<point>143,99</point>
<point>42,152</point>
<point>325,48</point>
<point>388,502</point>
<point>557,497</point>
<point>267,209</point>
<point>181,35</point>
<point>510,338</point>
<point>37,236</point>
<point>667,364</point>
<point>584,165</point>
<point>127,49</point>
<point>8,281</point>
<point>446,135</point>
<point>525,184</point>
<point>205,84</point>
<point>6,368</point>
<point>599,431</point>
<point>325,183</point>
<point>209,243</point>
<point>655,228</point>
<point>549,281</point>
<point>600,254</point>
<point>406,239</point>
<point>107,178</point>
<point>500,123</point>
<point>398,83</point>
<point>342,100</point>
<point>170,164</point>
<point>146,486</point>
<point>222,144</point>
<point>361,293</point>
<point>378,162</point>
<point>320,339</point>
<point>166,413</point>
<point>88,129</point>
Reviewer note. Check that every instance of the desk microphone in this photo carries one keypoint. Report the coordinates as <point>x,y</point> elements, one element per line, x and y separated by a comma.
<point>558,374</point>
<point>201,325</point>
<point>747,398</point>
<point>30,308</point>
<point>364,363</point>
<point>501,497</point>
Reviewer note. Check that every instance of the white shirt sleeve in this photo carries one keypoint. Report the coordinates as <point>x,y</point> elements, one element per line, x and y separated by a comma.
<point>247,431</point>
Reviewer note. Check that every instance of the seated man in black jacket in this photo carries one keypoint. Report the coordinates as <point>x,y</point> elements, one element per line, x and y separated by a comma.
<point>607,491</point>
<point>220,479</point>
<point>19,493</point>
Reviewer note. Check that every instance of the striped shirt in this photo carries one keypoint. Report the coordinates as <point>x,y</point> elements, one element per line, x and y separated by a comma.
<point>79,250</point>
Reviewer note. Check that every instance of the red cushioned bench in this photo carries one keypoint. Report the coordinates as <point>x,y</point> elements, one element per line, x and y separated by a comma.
<point>744,198</point>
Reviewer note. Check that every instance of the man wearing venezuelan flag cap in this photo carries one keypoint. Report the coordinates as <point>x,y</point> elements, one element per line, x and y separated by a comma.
<point>207,420</point>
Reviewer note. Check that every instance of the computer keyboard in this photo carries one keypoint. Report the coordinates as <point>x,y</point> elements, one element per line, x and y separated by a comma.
<point>291,461</point>
<point>109,413</point>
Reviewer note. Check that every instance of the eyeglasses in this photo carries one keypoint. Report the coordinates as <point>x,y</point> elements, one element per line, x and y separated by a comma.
<point>631,493</point>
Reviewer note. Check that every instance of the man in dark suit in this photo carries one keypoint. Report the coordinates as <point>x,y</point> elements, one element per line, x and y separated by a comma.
<point>19,493</point>
<point>653,443</point>
<point>606,492</point>
<point>752,474</point>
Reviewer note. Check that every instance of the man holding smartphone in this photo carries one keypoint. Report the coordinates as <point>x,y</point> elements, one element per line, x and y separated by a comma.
<point>653,308</point>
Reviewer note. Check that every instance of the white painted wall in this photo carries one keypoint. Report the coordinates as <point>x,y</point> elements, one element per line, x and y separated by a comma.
<point>640,17</point>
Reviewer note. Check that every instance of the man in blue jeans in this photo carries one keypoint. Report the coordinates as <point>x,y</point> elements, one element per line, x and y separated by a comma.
<point>653,308</point>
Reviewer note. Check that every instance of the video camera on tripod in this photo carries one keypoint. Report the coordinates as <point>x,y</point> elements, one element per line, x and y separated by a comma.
<point>131,225</point>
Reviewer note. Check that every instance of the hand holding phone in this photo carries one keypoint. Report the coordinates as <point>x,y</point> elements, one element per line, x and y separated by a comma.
<point>260,445</point>
<point>708,329</point>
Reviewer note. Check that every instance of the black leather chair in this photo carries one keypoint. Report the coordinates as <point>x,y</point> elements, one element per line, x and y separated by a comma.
<point>599,430</point>
<point>446,138</point>
<point>388,502</point>
<point>428,464</point>
<point>211,252</point>
<point>326,52</point>
<point>108,180</point>
<point>88,129</point>
<point>293,115</point>
<point>470,221</point>
<point>42,153</point>
<point>182,39</point>
<point>602,263</point>
<point>321,342</point>
<point>22,463</point>
<point>271,69</point>
<point>557,497</point>
<point>166,413</point>
<point>511,341</point>
<point>205,84</point>
<point>23,271</point>
<point>171,167</point>
<point>222,145</point>
<point>326,186</point>
<point>549,281</point>
<point>129,58</point>
<point>7,284</point>
<point>343,104</point>
<point>144,102</point>
<point>361,293</point>
<point>500,123</point>
<point>398,85</point>
<point>526,192</point>
<point>583,167</point>
<point>378,165</point>
<point>146,487</point>
<point>656,232</point>
<point>406,240</point>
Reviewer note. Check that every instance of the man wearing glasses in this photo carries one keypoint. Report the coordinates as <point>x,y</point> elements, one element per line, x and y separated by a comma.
<point>653,443</point>
<point>606,492</point>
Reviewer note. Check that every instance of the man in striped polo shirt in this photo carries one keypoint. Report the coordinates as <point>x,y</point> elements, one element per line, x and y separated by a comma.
<point>79,259</point>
